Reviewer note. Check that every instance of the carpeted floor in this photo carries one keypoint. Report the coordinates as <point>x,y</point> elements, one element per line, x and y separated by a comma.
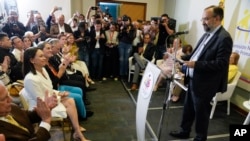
<point>114,116</point>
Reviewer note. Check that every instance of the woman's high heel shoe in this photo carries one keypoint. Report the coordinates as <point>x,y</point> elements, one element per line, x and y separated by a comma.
<point>82,129</point>
<point>175,98</point>
<point>91,81</point>
<point>77,138</point>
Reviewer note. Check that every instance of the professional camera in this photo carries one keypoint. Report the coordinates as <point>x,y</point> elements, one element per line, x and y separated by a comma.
<point>172,23</point>
<point>13,25</point>
<point>125,18</point>
<point>87,38</point>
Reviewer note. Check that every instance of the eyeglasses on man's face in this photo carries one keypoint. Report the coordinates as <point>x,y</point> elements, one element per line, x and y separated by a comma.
<point>206,18</point>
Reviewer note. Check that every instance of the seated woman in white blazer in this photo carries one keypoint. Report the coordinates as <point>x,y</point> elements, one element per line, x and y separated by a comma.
<point>37,81</point>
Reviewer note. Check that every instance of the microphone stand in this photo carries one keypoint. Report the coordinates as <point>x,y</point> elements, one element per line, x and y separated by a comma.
<point>169,88</point>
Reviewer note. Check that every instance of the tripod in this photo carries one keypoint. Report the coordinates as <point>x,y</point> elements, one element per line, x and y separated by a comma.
<point>170,81</point>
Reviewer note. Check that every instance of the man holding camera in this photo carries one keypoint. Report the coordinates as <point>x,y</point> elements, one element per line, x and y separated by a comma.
<point>13,27</point>
<point>165,30</point>
<point>126,37</point>
<point>60,28</point>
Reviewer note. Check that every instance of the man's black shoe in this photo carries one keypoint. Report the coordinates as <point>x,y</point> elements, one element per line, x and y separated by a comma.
<point>178,134</point>
<point>89,114</point>
<point>88,89</point>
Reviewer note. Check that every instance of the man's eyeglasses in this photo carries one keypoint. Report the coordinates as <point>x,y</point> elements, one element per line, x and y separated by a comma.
<point>206,18</point>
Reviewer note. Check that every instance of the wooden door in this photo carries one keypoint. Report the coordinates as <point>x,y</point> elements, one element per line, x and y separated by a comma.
<point>135,11</point>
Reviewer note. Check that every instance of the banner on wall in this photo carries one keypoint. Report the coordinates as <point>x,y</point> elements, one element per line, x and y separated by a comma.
<point>242,44</point>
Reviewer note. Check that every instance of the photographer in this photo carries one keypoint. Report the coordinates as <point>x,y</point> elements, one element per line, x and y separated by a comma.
<point>91,19</point>
<point>82,40</point>
<point>13,27</point>
<point>165,29</point>
<point>126,37</point>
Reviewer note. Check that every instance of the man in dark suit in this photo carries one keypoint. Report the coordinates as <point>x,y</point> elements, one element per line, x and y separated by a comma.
<point>60,28</point>
<point>96,50</point>
<point>24,131</point>
<point>206,74</point>
<point>146,51</point>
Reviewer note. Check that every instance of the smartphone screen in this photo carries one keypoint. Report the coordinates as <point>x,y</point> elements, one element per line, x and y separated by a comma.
<point>94,8</point>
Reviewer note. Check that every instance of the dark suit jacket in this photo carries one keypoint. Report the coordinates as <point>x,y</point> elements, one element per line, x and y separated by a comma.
<point>149,51</point>
<point>211,68</point>
<point>26,119</point>
<point>15,66</point>
<point>93,41</point>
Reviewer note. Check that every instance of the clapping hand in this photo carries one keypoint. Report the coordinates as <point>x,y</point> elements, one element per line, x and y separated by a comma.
<point>43,107</point>
<point>51,101</point>
<point>63,94</point>
<point>6,63</point>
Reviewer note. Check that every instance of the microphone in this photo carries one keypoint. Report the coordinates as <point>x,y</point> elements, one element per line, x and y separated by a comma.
<point>181,32</point>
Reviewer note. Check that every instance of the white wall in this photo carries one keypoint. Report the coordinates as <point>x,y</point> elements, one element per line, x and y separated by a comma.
<point>44,7</point>
<point>189,12</point>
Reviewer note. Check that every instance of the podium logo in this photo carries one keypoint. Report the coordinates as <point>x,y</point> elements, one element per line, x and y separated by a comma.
<point>239,132</point>
<point>147,84</point>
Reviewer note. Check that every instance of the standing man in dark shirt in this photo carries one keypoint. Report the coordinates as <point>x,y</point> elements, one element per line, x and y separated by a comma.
<point>165,29</point>
<point>82,39</point>
<point>126,37</point>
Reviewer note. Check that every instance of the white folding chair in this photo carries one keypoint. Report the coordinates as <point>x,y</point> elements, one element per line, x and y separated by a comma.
<point>131,67</point>
<point>226,96</point>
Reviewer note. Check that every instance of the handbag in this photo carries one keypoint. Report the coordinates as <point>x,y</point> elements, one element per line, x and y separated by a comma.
<point>15,88</point>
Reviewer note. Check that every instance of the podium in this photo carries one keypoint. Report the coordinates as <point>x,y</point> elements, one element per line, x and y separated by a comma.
<point>148,81</point>
<point>247,105</point>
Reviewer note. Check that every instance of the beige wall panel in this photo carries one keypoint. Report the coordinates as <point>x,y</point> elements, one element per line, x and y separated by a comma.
<point>134,11</point>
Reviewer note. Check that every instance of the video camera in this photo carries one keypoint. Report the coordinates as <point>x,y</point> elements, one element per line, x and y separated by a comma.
<point>125,18</point>
<point>171,23</point>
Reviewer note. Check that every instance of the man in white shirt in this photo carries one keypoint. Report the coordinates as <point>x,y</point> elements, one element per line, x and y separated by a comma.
<point>18,45</point>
